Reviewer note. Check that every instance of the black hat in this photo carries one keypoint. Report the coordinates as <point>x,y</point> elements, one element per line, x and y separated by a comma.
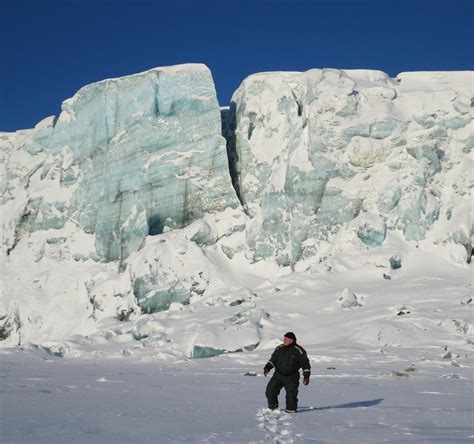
<point>290,335</point>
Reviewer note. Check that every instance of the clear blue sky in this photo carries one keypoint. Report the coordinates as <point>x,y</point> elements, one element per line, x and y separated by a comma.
<point>49,49</point>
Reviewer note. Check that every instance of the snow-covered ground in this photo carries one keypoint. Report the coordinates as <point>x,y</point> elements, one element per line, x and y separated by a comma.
<point>353,397</point>
<point>396,366</point>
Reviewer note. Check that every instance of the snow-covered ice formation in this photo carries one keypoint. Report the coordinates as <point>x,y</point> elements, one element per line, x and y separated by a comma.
<point>126,158</point>
<point>146,218</point>
<point>320,150</point>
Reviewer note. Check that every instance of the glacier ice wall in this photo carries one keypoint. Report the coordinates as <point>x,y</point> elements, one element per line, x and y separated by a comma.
<point>129,157</point>
<point>315,151</point>
<point>321,162</point>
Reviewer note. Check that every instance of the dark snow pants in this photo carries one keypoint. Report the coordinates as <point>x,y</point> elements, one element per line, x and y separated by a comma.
<point>275,385</point>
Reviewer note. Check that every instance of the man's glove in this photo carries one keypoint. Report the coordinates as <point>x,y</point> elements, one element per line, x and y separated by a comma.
<point>265,371</point>
<point>306,380</point>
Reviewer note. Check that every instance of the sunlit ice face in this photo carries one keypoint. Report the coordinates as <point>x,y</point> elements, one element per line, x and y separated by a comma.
<point>287,341</point>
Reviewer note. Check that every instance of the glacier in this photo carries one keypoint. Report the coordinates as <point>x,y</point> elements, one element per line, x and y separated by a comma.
<point>130,157</point>
<point>324,148</point>
<point>145,216</point>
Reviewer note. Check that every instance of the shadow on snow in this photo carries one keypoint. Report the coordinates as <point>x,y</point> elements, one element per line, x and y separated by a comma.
<point>349,405</point>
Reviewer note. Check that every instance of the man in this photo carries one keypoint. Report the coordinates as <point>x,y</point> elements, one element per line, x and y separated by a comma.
<point>287,359</point>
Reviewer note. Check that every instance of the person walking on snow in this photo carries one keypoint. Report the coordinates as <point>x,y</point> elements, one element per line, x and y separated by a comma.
<point>287,359</point>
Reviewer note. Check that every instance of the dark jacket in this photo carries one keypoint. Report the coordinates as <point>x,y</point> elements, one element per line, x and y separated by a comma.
<point>288,359</point>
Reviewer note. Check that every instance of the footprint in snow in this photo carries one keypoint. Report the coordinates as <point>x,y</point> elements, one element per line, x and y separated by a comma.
<point>276,425</point>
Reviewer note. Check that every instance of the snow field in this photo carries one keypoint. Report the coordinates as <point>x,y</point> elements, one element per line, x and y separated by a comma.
<point>353,397</point>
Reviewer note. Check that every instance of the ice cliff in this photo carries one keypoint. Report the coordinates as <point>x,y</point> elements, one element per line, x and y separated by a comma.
<point>143,196</point>
<point>126,158</point>
<point>324,150</point>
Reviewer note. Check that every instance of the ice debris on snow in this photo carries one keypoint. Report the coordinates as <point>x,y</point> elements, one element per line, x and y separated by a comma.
<point>205,352</point>
<point>395,262</point>
<point>371,230</point>
<point>401,311</point>
<point>348,299</point>
<point>167,271</point>
<point>466,300</point>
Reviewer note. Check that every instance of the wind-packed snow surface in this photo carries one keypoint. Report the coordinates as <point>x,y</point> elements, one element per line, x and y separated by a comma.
<point>146,224</point>
<point>353,397</point>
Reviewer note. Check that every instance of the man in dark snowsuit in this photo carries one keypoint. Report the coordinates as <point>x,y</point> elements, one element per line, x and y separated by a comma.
<point>287,359</point>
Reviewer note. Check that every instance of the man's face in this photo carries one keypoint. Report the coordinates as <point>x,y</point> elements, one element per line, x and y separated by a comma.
<point>287,341</point>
